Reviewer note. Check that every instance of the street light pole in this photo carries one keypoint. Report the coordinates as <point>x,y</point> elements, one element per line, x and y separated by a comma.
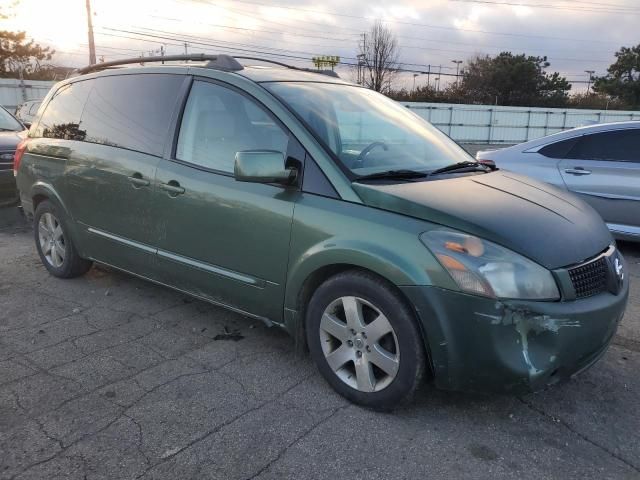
<point>590,73</point>
<point>92,45</point>
<point>413,90</point>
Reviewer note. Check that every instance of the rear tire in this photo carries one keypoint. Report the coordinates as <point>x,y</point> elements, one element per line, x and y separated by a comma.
<point>54,244</point>
<point>364,339</point>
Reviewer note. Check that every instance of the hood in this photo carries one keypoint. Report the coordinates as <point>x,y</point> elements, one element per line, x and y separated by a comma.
<point>10,140</point>
<point>537,220</point>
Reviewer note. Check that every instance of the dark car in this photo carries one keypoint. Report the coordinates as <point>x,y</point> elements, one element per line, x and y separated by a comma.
<point>11,133</point>
<point>326,209</point>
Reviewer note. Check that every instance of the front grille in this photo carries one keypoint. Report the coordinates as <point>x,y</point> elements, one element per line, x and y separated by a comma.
<point>590,278</point>
<point>6,162</point>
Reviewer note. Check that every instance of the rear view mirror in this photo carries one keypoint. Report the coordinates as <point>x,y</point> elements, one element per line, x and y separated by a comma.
<point>262,166</point>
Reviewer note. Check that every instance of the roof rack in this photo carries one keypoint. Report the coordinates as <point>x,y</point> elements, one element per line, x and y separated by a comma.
<point>329,73</point>
<point>220,62</point>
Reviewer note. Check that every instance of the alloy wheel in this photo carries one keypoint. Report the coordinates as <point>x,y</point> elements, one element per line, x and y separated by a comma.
<point>359,344</point>
<point>51,239</point>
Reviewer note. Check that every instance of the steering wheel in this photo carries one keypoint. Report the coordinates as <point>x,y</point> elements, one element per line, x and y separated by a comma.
<point>365,151</point>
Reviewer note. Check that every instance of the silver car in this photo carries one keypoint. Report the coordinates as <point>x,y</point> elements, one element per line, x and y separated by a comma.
<point>600,163</point>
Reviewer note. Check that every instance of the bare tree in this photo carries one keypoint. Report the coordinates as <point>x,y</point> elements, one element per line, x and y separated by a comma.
<point>378,56</point>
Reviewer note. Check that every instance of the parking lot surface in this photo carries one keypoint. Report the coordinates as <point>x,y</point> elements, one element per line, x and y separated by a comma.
<point>107,376</point>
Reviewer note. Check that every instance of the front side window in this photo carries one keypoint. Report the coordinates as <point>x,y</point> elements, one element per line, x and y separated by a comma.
<point>619,145</point>
<point>61,117</point>
<point>219,122</point>
<point>367,131</point>
<point>131,111</point>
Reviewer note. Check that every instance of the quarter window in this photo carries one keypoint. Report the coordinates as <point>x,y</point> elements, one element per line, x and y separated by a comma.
<point>218,122</point>
<point>61,118</point>
<point>619,145</point>
<point>559,149</point>
<point>131,111</point>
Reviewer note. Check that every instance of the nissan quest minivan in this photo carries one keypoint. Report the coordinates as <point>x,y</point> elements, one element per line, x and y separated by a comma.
<point>326,209</point>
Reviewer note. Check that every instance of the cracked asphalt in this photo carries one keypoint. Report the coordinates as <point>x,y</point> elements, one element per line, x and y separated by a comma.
<point>109,377</point>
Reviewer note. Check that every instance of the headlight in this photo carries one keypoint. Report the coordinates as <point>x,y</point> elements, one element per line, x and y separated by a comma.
<point>484,268</point>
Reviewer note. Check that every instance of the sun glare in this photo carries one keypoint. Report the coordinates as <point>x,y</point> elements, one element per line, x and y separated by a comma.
<point>61,24</point>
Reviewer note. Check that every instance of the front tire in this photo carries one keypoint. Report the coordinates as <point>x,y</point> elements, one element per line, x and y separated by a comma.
<point>54,244</point>
<point>365,340</point>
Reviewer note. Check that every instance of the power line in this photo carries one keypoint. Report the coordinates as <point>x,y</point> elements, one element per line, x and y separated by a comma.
<point>591,9</point>
<point>359,30</point>
<point>424,25</point>
<point>240,47</point>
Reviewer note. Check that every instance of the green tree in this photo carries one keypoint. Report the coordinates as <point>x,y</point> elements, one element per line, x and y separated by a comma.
<point>19,55</point>
<point>509,79</point>
<point>623,79</point>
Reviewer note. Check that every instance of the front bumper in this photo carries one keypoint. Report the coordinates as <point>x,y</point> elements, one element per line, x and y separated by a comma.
<point>480,344</point>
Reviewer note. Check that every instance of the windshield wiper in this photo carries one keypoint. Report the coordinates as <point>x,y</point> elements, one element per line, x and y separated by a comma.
<point>393,174</point>
<point>467,164</point>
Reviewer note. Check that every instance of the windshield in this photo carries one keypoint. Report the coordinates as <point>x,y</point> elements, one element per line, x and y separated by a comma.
<point>367,131</point>
<point>7,122</point>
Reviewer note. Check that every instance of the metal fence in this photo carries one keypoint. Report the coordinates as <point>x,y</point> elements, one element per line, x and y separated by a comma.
<point>509,125</point>
<point>13,92</point>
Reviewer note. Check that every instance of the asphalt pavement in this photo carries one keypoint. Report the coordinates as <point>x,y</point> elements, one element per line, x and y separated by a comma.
<point>109,377</point>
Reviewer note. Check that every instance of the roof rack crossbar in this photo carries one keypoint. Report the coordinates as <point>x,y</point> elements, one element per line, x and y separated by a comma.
<point>221,62</point>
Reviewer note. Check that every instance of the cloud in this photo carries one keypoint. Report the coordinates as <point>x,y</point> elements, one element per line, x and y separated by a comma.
<point>574,37</point>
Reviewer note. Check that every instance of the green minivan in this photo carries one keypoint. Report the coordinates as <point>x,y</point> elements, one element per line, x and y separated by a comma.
<point>328,210</point>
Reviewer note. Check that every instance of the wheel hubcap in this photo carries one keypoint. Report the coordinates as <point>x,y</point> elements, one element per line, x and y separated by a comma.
<point>51,239</point>
<point>359,344</point>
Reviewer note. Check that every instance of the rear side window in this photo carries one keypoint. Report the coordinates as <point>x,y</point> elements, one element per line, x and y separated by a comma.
<point>61,117</point>
<point>559,149</point>
<point>218,122</point>
<point>620,145</point>
<point>131,111</point>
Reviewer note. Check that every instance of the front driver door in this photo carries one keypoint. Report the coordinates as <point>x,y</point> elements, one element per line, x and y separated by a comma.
<point>221,239</point>
<point>604,169</point>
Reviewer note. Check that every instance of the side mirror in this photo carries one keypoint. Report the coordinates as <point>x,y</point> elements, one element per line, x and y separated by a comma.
<point>262,166</point>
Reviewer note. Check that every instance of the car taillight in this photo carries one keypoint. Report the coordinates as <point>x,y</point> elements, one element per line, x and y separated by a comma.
<point>17,157</point>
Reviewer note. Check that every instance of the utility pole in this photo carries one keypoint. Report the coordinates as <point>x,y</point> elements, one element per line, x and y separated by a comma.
<point>162,52</point>
<point>429,76</point>
<point>438,79</point>
<point>186,45</point>
<point>92,45</point>
<point>590,73</point>
<point>360,58</point>
<point>413,90</point>
<point>457,62</point>
<point>362,61</point>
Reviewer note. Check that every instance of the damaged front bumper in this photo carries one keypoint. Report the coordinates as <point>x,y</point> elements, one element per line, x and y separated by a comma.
<point>482,344</point>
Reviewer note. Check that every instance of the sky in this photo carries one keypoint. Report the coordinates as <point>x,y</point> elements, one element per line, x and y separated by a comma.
<point>575,35</point>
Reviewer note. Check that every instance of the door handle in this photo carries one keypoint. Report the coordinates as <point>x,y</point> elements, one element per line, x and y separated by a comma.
<point>137,181</point>
<point>577,171</point>
<point>173,188</point>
